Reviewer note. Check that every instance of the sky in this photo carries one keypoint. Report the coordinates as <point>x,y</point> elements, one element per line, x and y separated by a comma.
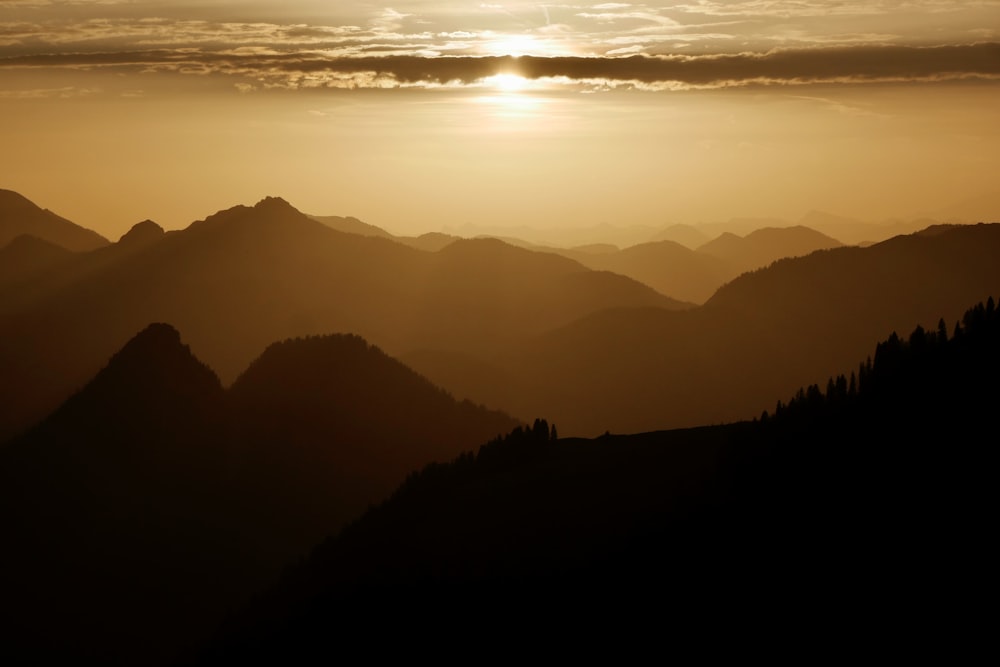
<point>423,115</point>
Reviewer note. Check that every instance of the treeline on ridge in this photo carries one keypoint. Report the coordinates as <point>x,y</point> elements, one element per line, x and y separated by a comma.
<point>869,501</point>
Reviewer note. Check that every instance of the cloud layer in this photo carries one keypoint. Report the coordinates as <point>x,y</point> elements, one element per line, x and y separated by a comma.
<point>776,67</point>
<point>436,43</point>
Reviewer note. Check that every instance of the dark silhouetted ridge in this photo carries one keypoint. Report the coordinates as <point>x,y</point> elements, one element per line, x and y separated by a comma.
<point>334,418</point>
<point>115,512</point>
<point>153,500</point>
<point>156,358</point>
<point>869,499</point>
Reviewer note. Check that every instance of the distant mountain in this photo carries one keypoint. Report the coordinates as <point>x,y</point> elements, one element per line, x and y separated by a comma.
<point>595,248</point>
<point>666,266</point>
<point>981,208</point>
<point>848,231</point>
<point>142,233</point>
<point>856,232</point>
<point>561,237</point>
<point>694,275</point>
<point>759,336</point>
<point>431,242</point>
<point>247,276</point>
<point>766,245</point>
<point>689,236</point>
<point>740,226</point>
<point>837,503</point>
<point>350,225</point>
<point>26,257</point>
<point>153,500</point>
<point>20,216</point>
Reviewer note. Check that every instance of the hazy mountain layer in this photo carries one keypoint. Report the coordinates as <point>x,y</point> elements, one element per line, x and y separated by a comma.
<point>528,332</point>
<point>247,276</point>
<point>26,257</point>
<point>20,216</point>
<point>768,244</point>
<point>760,336</point>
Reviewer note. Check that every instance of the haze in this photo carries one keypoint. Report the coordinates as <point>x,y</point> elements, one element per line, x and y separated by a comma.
<point>426,115</point>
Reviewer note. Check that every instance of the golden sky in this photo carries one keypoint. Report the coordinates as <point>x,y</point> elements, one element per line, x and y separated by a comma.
<point>423,114</point>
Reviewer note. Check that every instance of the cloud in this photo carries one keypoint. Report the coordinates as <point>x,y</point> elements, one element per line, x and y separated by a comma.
<point>841,65</point>
<point>64,92</point>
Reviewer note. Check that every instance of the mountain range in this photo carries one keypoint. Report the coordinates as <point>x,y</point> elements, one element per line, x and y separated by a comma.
<point>154,487</point>
<point>528,332</point>
<point>19,216</point>
<point>851,517</point>
<point>762,334</point>
<point>151,488</point>
<point>247,276</point>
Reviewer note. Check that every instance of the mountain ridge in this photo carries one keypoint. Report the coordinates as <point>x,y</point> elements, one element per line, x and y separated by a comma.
<point>19,215</point>
<point>153,486</point>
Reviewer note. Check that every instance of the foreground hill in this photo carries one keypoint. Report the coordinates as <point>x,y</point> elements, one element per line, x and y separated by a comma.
<point>326,425</point>
<point>865,502</point>
<point>247,276</point>
<point>18,216</point>
<point>153,500</point>
<point>114,513</point>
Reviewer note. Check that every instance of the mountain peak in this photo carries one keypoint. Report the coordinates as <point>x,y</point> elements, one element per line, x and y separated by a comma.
<point>142,232</point>
<point>272,203</point>
<point>158,336</point>
<point>156,351</point>
<point>144,389</point>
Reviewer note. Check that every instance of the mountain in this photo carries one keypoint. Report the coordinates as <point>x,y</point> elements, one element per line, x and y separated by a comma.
<point>350,225</point>
<point>762,334</point>
<point>981,208</point>
<point>142,233</point>
<point>20,216</point>
<point>835,504</point>
<point>153,500</point>
<point>666,266</point>
<point>330,424</point>
<point>694,275</point>
<point>26,257</point>
<point>247,276</point>
<point>431,241</point>
<point>689,236</point>
<point>856,232</point>
<point>560,237</point>
<point>766,245</point>
<point>114,515</point>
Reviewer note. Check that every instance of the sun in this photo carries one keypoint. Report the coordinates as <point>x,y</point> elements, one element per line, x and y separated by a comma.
<point>507,83</point>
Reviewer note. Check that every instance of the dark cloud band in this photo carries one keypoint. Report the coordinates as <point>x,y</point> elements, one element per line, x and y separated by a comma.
<point>860,64</point>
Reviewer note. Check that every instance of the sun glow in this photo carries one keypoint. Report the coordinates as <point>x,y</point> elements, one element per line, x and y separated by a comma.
<point>507,83</point>
<point>511,97</point>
